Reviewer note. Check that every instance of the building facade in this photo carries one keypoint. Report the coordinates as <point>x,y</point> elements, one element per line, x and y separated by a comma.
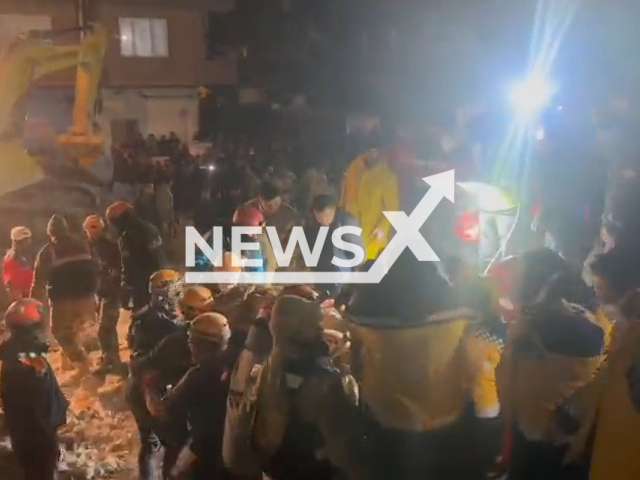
<point>157,59</point>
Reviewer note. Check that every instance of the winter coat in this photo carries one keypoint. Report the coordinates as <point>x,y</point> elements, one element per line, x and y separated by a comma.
<point>67,268</point>
<point>108,254</point>
<point>141,251</point>
<point>17,272</point>
<point>32,400</point>
<point>366,193</point>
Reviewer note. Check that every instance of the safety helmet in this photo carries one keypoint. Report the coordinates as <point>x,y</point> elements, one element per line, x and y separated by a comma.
<point>248,216</point>
<point>116,209</point>
<point>211,326</point>
<point>194,301</point>
<point>162,279</point>
<point>24,314</point>
<point>20,233</point>
<point>93,225</point>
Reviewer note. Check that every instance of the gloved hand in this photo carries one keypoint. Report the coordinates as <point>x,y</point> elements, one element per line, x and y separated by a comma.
<point>126,294</point>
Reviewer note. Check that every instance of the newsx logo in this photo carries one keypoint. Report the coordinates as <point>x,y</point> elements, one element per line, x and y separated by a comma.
<point>407,236</point>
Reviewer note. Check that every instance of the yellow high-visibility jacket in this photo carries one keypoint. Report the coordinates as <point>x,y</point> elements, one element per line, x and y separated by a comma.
<point>366,193</point>
<point>541,388</point>
<point>487,345</point>
<point>416,377</point>
<point>617,431</point>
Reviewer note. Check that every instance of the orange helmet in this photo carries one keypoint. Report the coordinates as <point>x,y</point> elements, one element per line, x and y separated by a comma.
<point>24,313</point>
<point>116,209</point>
<point>230,263</point>
<point>194,301</point>
<point>248,216</point>
<point>93,225</point>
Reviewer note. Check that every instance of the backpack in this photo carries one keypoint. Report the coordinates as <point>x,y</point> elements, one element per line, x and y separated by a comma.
<point>238,453</point>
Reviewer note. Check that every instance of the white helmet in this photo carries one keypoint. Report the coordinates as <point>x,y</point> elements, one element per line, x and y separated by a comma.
<point>20,233</point>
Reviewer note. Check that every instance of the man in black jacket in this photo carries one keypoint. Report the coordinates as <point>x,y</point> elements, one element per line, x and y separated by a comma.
<point>141,252</point>
<point>326,214</point>
<point>67,271</point>
<point>202,395</point>
<point>108,254</point>
<point>149,326</point>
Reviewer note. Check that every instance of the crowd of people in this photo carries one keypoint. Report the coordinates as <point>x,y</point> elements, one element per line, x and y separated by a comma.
<point>529,371</point>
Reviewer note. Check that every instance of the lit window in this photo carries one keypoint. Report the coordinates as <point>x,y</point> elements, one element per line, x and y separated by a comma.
<point>143,37</point>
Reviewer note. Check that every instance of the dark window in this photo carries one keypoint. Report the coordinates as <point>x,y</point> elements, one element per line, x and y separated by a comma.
<point>220,34</point>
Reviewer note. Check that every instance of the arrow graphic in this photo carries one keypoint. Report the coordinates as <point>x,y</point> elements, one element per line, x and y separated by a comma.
<point>407,236</point>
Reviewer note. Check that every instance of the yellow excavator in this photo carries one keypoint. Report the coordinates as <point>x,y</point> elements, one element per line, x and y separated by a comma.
<point>60,173</point>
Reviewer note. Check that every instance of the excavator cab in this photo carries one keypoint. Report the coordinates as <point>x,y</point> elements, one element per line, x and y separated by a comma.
<point>58,175</point>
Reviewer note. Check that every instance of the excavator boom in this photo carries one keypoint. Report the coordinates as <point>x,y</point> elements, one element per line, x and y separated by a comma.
<point>22,63</point>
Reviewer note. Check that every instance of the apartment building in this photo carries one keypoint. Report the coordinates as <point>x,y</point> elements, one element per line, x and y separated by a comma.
<point>158,57</point>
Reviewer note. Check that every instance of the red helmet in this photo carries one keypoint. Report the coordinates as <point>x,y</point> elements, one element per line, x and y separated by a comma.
<point>467,227</point>
<point>24,313</point>
<point>505,277</point>
<point>116,209</point>
<point>248,216</point>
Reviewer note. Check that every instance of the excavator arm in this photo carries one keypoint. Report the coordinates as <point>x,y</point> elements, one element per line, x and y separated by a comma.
<point>22,63</point>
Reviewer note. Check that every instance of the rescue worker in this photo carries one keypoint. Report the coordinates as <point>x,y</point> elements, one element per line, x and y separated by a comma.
<point>141,253</point>
<point>615,398</point>
<point>369,188</point>
<point>107,252</point>
<point>17,268</point>
<point>485,345</point>
<point>306,424</point>
<point>166,363</point>
<point>149,325</point>
<point>33,403</point>
<point>67,270</point>
<point>552,352</point>
<point>168,360</point>
<point>325,213</point>
<point>276,213</point>
<point>202,393</point>
<point>416,373</point>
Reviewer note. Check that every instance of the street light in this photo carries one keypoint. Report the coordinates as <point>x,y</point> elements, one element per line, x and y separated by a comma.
<point>530,96</point>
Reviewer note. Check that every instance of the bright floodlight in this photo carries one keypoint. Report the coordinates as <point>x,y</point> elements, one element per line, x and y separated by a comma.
<point>530,96</point>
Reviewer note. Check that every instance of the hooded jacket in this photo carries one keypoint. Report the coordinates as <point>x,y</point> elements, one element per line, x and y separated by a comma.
<point>366,193</point>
